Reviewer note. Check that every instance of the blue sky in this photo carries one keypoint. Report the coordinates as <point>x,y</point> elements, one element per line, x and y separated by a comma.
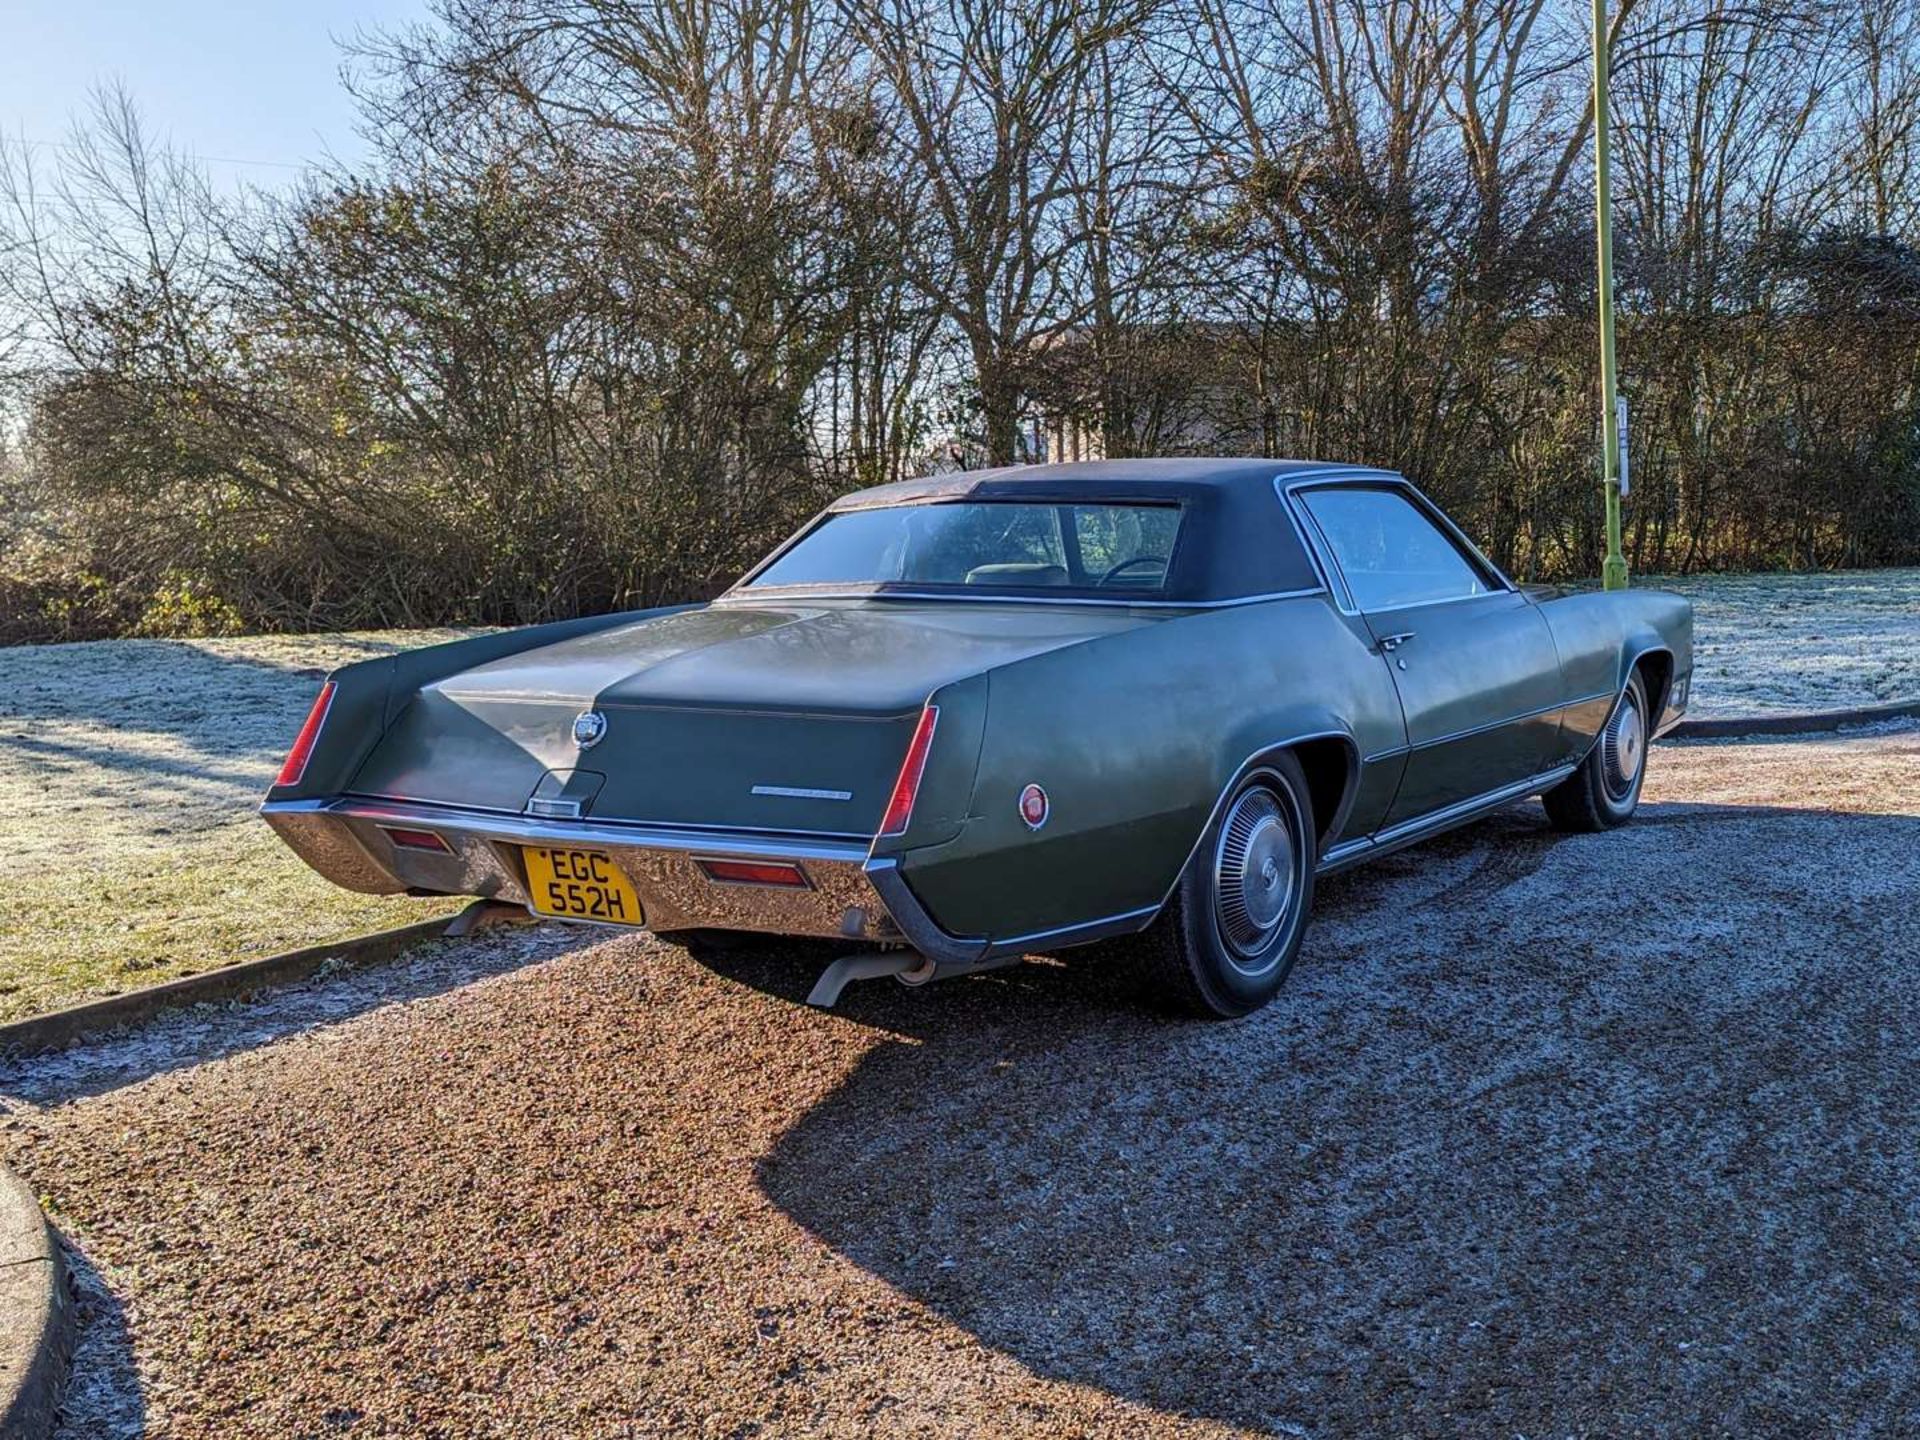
<point>244,81</point>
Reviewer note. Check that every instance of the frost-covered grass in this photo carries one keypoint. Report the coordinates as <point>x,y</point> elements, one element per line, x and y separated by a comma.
<point>129,772</point>
<point>130,852</point>
<point>1766,643</point>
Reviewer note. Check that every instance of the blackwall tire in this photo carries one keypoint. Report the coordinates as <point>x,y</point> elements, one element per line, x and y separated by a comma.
<point>1605,791</point>
<point>1228,939</point>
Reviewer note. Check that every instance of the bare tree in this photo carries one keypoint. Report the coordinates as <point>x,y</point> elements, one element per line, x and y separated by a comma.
<point>1878,124</point>
<point>987,106</point>
<point>626,288</point>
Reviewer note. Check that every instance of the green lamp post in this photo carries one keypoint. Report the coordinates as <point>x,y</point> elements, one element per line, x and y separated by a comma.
<point>1614,572</point>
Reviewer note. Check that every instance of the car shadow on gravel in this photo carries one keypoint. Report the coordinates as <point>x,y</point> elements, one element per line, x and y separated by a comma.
<point>1546,1132</point>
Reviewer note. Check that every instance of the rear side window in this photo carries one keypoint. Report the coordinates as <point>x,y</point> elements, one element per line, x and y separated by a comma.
<point>1390,554</point>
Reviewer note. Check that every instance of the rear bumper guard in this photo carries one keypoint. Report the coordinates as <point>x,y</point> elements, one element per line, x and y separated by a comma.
<point>851,895</point>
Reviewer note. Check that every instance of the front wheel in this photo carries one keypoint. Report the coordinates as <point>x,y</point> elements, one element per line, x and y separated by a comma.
<point>1228,938</point>
<point>1605,790</point>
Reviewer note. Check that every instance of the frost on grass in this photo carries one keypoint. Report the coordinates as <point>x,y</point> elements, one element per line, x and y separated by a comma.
<point>103,1399</point>
<point>129,773</point>
<point>1770,643</point>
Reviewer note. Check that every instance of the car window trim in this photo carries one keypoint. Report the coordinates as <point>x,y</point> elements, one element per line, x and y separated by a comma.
<point>1321,551</point>
<point>1336,576</point>
<point>1493,582</point>
<point>987,595</point>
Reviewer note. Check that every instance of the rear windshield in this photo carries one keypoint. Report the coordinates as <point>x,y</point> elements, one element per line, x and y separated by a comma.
<point>1007,545</point>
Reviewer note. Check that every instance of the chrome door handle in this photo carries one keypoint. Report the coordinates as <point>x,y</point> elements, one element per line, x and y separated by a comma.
<point>1391,643</point>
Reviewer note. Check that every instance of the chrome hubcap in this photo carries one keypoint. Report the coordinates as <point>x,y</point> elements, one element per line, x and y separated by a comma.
<point>1254,879</point>
<point>1625,748</point>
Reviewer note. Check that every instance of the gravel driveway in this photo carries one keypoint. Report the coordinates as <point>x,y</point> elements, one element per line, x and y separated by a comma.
<point>1547,1137</point>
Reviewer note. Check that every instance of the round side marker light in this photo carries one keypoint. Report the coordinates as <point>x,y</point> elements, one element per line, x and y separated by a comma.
<point>1033,806</point>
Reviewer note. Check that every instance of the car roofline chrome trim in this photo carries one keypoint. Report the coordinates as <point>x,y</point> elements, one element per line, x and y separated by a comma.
<point>498,825</point>
<point>763,595</point>
<point>1307,546</point>
<point>738,591</point>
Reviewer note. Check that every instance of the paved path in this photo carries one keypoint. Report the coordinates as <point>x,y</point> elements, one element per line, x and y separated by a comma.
<point>1547,1136</point>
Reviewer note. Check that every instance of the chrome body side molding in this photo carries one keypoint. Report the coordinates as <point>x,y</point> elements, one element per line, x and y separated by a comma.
<point>1423,827</point>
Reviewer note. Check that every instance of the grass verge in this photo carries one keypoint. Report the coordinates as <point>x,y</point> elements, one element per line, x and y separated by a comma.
<point>101,927</point>
<point>131,853</point>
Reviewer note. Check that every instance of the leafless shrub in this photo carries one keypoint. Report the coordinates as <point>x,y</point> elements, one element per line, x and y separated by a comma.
<point>628,288</point>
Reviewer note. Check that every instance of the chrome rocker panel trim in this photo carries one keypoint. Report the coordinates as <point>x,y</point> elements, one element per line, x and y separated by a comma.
<point>1424,827</point>
<point>955,955</point>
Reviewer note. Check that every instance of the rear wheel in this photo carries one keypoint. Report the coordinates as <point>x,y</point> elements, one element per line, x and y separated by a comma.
<point>1605,790</point>
<point>1228,938</point>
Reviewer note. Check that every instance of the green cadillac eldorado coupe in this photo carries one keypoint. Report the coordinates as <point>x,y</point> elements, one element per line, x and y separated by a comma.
<point>959,720</point>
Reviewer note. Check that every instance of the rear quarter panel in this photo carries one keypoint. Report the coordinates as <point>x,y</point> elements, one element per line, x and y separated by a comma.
<point>1133,737</point>
<point>371,695</point>
<point>1601,635</point>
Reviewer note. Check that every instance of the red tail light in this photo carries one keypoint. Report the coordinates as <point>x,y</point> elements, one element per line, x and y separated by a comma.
<point>900,805</point>
<point>416,839</point>
<point>754,872</point>
<point>296,762</point>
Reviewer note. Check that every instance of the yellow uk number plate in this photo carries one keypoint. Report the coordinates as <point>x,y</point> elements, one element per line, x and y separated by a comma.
<point>580,885</point>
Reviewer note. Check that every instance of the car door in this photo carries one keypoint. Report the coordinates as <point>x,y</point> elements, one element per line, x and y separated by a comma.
<point>1472,657</point>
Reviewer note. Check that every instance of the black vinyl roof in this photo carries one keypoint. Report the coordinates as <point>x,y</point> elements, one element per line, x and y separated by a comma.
<point>1236,539</point>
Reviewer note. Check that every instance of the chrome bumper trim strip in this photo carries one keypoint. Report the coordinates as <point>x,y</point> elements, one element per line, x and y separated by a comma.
<point>541,829</point>
<point>345,838</point>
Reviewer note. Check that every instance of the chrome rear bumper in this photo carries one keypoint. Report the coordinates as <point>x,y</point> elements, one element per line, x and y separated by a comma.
<point>346,840</point>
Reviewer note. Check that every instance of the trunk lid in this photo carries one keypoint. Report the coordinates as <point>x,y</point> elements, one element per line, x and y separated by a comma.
<point>767,717</point>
